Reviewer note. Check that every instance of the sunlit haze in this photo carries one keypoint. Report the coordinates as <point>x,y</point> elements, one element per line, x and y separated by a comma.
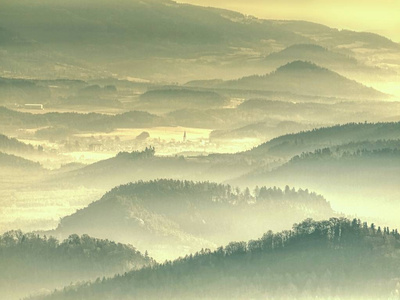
<point>381,17</point>
<point>201,149</point>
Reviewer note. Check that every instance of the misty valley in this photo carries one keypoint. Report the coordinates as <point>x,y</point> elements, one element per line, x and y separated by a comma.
<point>161,150</point>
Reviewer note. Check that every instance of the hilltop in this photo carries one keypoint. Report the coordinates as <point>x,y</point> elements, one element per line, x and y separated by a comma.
<point>302,78</point>
<point>170,218</point>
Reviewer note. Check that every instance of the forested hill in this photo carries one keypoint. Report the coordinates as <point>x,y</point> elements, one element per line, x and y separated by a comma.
<point>331,259</point>
<point>170,218</point>
<point>78,121</point>
<point>29,262</point>
<point>294,144</point>
<point>154,39</point>
<point>299,77</point>
<point>181,98</point>
<point>16,162</point>
<point>12,145</point>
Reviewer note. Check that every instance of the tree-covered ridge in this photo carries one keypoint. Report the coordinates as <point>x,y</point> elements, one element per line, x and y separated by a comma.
<point>79,121</point>
<point>292,144</point>
<point>13,145</point>
<point>331,259</point>
<point>210,192</point>
<point>170,217</point>
<point>148,152</point>
<point>175,98</point>
<point>12,161</point>
<point>29,261</point>
<point>300,78</point>
<point>339,153</point>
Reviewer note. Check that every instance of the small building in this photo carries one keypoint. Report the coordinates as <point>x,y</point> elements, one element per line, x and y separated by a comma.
<point>34,106</point>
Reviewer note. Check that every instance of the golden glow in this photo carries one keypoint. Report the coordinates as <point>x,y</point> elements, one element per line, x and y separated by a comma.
<point>380,17</point>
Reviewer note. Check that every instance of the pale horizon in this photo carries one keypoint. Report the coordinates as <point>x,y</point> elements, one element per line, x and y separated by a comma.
<point>376,17</point>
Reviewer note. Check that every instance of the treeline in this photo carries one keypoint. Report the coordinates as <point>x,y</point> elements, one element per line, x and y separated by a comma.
<point>79,121</point>
<point>12,161</point>
<point>183,216</point>
<point>182,97</point>
<point>292,144</point>
<point>148,152</point>
<point>327,153</point>
<point>336,258</point>
<point>211,192</point>
<point>13,145</point>
<point>29,261</point>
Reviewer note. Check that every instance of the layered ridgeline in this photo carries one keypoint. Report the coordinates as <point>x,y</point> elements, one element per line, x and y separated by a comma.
<point>174,98</point>
<point>362,181</point>
<point>342,63</point>
<point>73,122</point>
<point>171,218</point>
<point>128,167</point>
<point>290,145</point>
<point>146,165</point>
<point>357,166</point>
<point>30,264</point>
<point>332,259</point>
<point>15,162</point>
<point>302,78</point>
<point>157,40</point>
<point>12,145</point>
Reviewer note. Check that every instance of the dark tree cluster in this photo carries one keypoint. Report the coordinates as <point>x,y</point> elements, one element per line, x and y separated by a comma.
<point>29,261</point>
<point>332,259</point>
<point>149,152</point>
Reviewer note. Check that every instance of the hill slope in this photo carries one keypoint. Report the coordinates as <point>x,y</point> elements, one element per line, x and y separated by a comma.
<point>169,217</point>
<point>336,258</point>
<point>305,78</point>
<point>29,262</point>
<point>290,145</point>
<point>358,181</point>
<point>152,39</point>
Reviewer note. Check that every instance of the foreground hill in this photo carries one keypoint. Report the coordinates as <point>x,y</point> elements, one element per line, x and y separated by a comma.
<point>171,218</point>
<point>332,259</point>
<point>30,263</point>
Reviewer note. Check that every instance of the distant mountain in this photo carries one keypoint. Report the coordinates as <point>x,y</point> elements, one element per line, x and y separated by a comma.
<point>172,218</point>
<point>31,264</point>
<point>305,78</point>
<point>159,40</point>
<point>332,259</point>
<point>311,52</point>
<point>342,63</point>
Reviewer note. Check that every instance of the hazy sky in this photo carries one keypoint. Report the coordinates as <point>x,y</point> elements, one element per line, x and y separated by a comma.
<point>379,16</point>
